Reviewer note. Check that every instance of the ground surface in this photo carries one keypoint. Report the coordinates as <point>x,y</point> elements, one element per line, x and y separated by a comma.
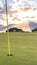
<point>23,48</point>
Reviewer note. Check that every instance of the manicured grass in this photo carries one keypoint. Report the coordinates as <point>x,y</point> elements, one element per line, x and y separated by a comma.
<point>23,48</point>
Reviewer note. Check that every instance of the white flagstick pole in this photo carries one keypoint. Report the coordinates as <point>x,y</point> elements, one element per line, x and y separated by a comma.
<point>8,30</point>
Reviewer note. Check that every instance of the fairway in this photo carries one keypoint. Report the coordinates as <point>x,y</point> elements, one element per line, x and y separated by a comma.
<point>23,47</point>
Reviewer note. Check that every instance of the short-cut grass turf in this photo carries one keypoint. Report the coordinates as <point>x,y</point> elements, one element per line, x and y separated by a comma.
<point>23,48</point>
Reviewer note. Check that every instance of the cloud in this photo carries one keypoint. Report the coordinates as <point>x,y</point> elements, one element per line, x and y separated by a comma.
<point>17,4</point>
<point>32,3</point>
<point>1,4</point>
<point>17,0</point>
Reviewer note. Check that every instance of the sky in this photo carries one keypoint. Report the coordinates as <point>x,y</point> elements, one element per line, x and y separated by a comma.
<point>30,3</point>
<point>21,15</point>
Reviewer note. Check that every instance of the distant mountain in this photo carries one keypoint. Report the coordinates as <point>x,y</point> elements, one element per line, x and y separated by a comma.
<point>1,26</point>
<point>32,25</point>
<point>34,30</point>
<point>24,26</point>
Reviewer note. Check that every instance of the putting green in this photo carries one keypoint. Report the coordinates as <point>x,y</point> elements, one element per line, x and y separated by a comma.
<point>23,46</point>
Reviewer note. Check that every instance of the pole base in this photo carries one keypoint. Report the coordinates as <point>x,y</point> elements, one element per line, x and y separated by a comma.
<point>9,55</point>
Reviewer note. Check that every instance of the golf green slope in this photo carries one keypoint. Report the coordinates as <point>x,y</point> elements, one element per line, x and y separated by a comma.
<point>23,47</point>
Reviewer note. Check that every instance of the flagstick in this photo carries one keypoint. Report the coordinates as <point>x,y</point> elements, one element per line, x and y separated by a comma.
<point>8,30</point>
